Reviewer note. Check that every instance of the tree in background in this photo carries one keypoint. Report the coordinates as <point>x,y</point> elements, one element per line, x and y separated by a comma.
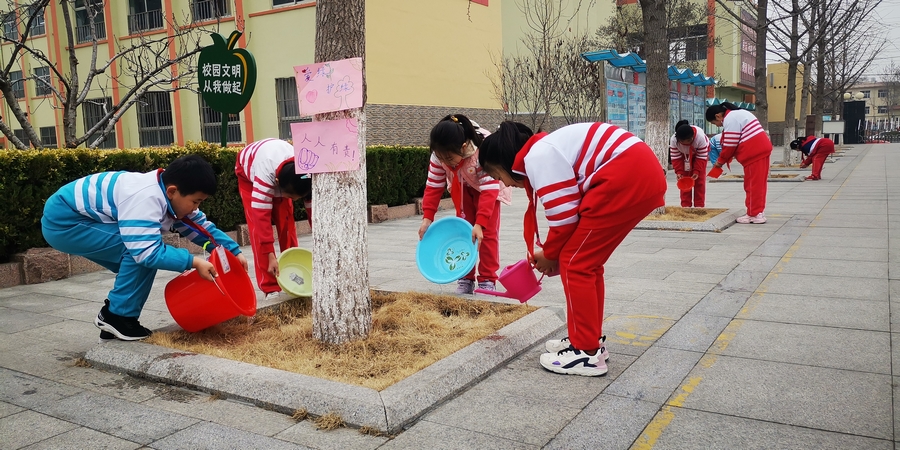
<point>342,306</point>
<point>757,31</point>
<point>892,100</point>
<point>158,62</point>
<point>656,53</point>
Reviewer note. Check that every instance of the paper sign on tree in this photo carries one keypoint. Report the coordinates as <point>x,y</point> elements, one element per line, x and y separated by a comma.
<point>327,146</point>
<point>329,86</point>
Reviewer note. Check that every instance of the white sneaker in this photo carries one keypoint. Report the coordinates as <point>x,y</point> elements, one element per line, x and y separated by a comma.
<point>465,286</point>
<point>759,218</point>
<point>557,345</point>
<point>278,297</point>
<point>571,361</point>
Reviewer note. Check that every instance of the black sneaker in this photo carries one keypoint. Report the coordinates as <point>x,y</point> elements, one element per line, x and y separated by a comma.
<point>124,328</point>
<point>106,336</point>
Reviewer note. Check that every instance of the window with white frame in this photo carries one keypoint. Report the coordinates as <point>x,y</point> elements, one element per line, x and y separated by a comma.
<point>288,2</point>
<point>10,26</point>
<point>867,94</point>
<point>22,137</point>
<point>155,123</point>
<point>882,110</point>
<point>882,93</point>
<point>211,125</point>
<point>144,15</point>
<point>17,83</point>
<point>89,21</point>
<point>288,106</point>
<point>203,10</point>
<point>93,112</point>
<point>48,137</point>
<point>42,81</point>
<point>37,26</point>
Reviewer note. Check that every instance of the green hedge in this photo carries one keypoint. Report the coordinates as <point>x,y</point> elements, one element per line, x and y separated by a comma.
<point>395,176</point>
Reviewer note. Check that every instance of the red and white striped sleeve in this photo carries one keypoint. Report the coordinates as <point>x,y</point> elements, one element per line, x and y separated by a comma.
<point>435,185</point>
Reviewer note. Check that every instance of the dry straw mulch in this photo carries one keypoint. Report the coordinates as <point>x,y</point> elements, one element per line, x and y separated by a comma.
<point>410,331</point>
<point>679,214</point>
<point>771,175</point>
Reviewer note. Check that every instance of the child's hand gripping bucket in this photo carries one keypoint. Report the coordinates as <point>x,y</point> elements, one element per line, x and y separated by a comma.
<point>519,281</point>
<point>196,304</point>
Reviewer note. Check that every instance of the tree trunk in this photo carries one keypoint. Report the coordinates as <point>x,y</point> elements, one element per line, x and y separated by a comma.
<point>656,52</point>
<point>762,102</point>
<point>790,104</point>
<point>341,307</point>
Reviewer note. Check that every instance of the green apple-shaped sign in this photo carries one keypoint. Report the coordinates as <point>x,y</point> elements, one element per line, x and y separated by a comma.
<point>226,75</point>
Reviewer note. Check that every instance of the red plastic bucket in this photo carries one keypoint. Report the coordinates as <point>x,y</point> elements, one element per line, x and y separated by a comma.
<point>196,304</point>
<point>685,184</point>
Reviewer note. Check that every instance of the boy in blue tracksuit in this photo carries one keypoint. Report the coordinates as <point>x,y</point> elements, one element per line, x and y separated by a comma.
<point>116,220</point>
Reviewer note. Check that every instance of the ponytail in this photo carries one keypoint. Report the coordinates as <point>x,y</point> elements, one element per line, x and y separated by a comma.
<point>500,148</point>
<point>684,130</point>
<point>449,135</point>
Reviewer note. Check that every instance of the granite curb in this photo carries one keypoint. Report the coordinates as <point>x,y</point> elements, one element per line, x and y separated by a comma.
<point>388,411</point>
<point>715,224</point>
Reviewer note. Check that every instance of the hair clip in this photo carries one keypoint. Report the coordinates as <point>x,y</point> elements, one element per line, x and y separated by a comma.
<point>304,176</point>
<point>453,118</point>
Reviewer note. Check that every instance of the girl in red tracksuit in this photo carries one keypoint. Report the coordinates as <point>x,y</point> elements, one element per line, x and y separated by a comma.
<point>454,164</point>
<point>688,149</point>
<point>596,181</point>
<point>744,140</point>
<point>268,186</point>
<point>816,151</point>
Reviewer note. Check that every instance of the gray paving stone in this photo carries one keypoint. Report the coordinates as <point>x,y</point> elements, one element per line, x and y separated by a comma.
<point>853,221</point>
<point>721,303</point>
<point>694,332</point>
<point>211,436</point>
<point>689,429</point>
<point>654,375</point>
<point>842,253</point>
<point>35,357</point>
<point>634,334</point>
<point>436,436</point>
<point>821,286</point>
<point>238,415</point>
<point>824,311</point>
<point>741,280</point>
<point>306,433</point>
<point>794,394</point>
<point>8,409</point>
<point>117,385</point>
<point>28,427</point>
<point>688,276</point>
<point>36,302</point>
<point>756,263</point>
<point>833,267</point>
<point>602,425</point>
<point>652,309</point>
<point>28,391</point>
<point>14,320</point>
<point>809,345</point>
<point>522,419</point>
<point>83,438</point>
<point>120,418</point>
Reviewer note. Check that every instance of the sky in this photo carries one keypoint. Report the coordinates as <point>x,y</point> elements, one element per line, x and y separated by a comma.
<point>887,14</point>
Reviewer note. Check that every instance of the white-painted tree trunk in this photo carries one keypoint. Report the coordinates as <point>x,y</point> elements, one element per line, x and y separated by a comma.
<point>341,306</point>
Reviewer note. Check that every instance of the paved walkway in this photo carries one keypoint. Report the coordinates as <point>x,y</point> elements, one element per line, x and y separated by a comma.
<point>763,336</point>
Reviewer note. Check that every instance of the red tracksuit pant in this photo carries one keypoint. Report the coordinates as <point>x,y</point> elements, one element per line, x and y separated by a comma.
<point>819,157</point>
<point>584,254</point>
<point>756,179</point>
<point>283,218</point>
<point>696,197</point>
<point>489,251</point>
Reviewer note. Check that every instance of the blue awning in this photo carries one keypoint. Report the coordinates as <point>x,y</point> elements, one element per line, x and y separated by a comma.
<point>634,62</point>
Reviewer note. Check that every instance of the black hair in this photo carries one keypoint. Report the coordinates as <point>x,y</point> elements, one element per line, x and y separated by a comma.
<point>294,183</point>
<point>190,174</point>
<point>712,110</point>
<point>684,130</point>
<point>795,144</point>
<point>498,151</point>
<point>449,135</point>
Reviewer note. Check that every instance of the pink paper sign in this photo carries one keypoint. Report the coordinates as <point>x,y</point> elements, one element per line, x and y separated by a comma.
<point>327,146</point>
<point>329,86</point>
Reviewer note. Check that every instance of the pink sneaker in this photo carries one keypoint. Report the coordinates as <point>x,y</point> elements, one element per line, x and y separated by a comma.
<point>759,218</point>
<point>743,219</point>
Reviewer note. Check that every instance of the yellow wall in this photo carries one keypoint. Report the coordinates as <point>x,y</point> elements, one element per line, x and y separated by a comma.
<point>776,91</point>
<point>431,52</point>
